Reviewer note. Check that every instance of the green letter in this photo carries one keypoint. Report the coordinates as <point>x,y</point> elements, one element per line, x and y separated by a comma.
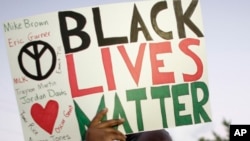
<point>83,120</point>
<point>179,90</point>
<point>137,95</point>
<point>120,113</point>
<point>101,107</point>
<point>198,109</point>
<point>161,93</point>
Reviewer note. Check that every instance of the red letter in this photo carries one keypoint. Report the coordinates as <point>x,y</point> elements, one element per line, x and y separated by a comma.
<point>75,91</point>
<point>107,64</point>
<point>157,76</point>
<point>184,46</point>
<point>135,71</point>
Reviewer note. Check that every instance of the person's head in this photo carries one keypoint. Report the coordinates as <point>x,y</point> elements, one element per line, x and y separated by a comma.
<point>158,135</point>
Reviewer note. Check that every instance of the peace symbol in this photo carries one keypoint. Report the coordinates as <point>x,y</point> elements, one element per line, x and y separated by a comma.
<point>31,60</point>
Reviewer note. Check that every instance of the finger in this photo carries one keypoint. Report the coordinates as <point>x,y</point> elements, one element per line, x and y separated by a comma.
<point>98,117</point>
<point>110,123</point>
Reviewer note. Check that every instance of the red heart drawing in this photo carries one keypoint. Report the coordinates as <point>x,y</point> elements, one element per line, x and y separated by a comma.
<point>45,117</point>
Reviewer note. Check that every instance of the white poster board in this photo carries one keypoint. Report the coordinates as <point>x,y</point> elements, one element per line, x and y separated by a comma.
<point>144,61</point>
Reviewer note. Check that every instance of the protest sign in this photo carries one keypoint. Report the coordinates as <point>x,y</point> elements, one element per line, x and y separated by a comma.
<point>144,61</point>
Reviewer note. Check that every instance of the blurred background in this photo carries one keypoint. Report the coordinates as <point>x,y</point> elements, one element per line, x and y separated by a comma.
<point>227,34</point>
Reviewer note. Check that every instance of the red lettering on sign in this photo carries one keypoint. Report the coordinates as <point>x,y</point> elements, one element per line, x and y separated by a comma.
<point>75,91</point>
<point>157,76</point>
<point>135,71</point>
<point>108,68</point>
<point>184,46</point>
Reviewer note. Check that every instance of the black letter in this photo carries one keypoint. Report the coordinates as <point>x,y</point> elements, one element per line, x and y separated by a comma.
<point>99,33</point>
<point>184,18</point>
<point>154,12</point>
<point>134,29</point>
<point>66,33</point>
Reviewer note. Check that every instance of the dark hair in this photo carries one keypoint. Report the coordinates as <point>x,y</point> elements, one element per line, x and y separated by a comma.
<point>156,135</point>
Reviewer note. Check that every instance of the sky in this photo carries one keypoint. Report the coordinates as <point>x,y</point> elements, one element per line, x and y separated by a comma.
<point>226,27</point>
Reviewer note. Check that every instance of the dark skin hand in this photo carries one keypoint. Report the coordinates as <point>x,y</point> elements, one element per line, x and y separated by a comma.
<point>104,130</point>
